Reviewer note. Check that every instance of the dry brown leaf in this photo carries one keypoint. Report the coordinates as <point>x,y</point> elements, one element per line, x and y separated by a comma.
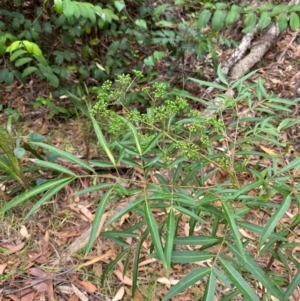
<point>98,258</point>
<point>41,287</point>
<point>13,297</point>
<point>2,268</point>
<point>268,151</point>
<point>123,218</point>
<point>23,231</point>
<point>126,280</point>
<point>65,289</point>
<point>98,271</point>
<point>245,234</point>
<point>119,295</point>
<point>88,286</point>
<point>82,240</point>
<point>137,296</point>
<point>80,295</point>
<point>45,242</point>
<point>167,282</point>
<point>37,272</point>
<point>14,248</point>
<point>86,212</point>
<point>41,259</point>
<point>73,298</point>
<point>146,262</point>
<point>28,296</point>
<point>50,291</point>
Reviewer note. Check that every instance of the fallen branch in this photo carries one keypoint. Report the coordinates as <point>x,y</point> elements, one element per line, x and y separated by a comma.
<point>239,67</point>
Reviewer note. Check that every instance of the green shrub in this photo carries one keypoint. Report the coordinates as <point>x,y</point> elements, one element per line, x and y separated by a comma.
<point>187,173</point>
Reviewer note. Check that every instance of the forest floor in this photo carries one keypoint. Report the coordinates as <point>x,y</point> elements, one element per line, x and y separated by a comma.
<point>32,253</point>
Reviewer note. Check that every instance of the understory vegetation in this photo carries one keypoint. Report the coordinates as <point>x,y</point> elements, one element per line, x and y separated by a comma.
<point>216,195</point>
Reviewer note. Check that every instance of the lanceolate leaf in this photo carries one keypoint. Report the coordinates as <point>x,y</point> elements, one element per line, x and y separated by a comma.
<point>171,228</point>
<point>102,141</point>
<point>236,278</point>
<point>29,194</point>
<point>196,240</point>
<point>187,281</point>
<point>153,229</point>
<point>209,293</point>
<point>274,219</point>
<point>135,135</point>
<point>209,84</point>
<point>293,285</point>
<point>97,220</point>
<point>230,219</point>
<point>48,195</point>
<point>64,155</point>
<point>136,260</point>
<point>54,166</point>
<point>250,264</point>
<point>110,266</point>
<point>188,256</point>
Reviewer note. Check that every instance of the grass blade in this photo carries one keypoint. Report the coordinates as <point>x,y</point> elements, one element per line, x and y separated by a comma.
<point>291,165</point>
